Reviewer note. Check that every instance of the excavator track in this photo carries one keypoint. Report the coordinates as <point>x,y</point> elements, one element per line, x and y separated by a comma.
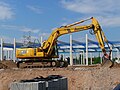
<point>41,63</point>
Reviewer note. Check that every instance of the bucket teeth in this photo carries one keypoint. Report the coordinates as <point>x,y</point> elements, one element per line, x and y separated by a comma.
<point>107,63</point>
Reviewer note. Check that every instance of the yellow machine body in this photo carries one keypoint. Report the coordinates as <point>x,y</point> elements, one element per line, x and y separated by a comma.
<point>49,48</point>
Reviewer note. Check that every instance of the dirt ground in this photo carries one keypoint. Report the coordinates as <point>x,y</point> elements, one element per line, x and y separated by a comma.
<point>79,78</point>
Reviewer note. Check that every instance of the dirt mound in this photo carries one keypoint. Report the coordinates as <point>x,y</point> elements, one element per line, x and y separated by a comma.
<point>80,79</point>
<point>5,64</point>
<point>116,65</point>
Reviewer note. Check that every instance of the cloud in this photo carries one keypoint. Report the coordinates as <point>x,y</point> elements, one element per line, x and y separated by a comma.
<point>9,26</point>
<point>20,28</point>
<point>7,39</point>
<point>36,33</point>
<point>35,9</point>
<point>44,34</point>
<point>109,21</point>
<point>107,11</point>
<point>25,29</point>
<point>91,6</point>
<point>6,12</point>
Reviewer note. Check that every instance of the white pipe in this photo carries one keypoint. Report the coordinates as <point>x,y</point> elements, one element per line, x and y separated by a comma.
<point>71,57</point>
<point>100,57</point>
<point>14,51</point>
<point>8,54</point>
<point>11,54</point>
<point>1,49</point>
<point>118,54</point>
<point>63,57</point>
<point>78,59</point>
<point>41,40</point>
<point>111,53</point>
<point>83,57</point>
<point>86,49</point>
<point>91,59</point>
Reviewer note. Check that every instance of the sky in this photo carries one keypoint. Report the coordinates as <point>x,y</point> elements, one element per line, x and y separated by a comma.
<point>41,17</point>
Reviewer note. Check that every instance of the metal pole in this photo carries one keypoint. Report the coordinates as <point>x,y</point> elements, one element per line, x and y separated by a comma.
<point>14,51</point>
<point>86,49</point>
<point>12,54</point>
<point>71,57</point>
<point>78,59</point>
<point>91,59</point>
<point>83,57</point>
<point>1,49</point>
<point>100,57</point>
<point>41,40</point>
<point>118,54</point>
<point>8,54</point>
<point>111,53</point>
<point>63,57</point>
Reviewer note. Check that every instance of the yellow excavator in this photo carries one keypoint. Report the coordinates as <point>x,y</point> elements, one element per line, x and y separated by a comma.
<point>46,54</point>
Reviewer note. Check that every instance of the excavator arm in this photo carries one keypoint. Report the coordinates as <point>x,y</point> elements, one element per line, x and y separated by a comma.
<point>100,37</point>
<point>72,28</point>
<point>107,62</point>
<point>95,26</point>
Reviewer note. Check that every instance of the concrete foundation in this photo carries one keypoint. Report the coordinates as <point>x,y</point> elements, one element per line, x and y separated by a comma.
<point>41,84</point>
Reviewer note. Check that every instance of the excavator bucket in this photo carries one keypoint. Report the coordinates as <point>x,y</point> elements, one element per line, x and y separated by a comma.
<point>107,63</point>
